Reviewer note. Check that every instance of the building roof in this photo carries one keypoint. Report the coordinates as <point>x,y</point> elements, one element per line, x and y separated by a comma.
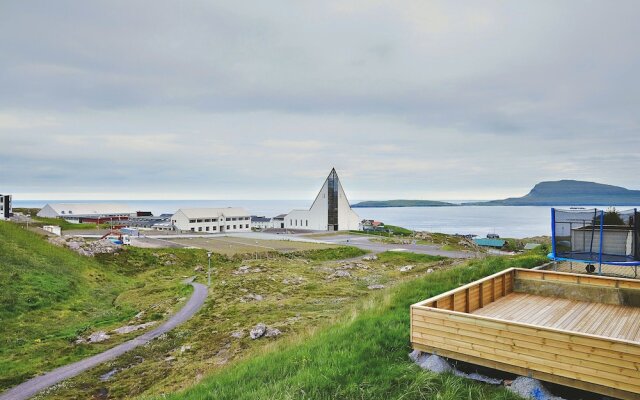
<point>490,242</point>
<point>255,218</point>
<point>531,246</point>
<point>281,216</point>
<point>90,208</point>
<point>213,212</point>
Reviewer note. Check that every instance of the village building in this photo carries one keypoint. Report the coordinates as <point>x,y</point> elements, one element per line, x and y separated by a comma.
<point>260,222</point>
<point>330,210</point>
<point>212,220</point>
<point>87,212</point>
<point>277,222</point>
<point>6,210</point>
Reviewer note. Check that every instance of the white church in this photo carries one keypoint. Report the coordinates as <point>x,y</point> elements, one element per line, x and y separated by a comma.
<point>330,210</point>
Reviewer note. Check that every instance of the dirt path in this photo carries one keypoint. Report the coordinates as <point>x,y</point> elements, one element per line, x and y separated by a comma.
<point>29,388</point>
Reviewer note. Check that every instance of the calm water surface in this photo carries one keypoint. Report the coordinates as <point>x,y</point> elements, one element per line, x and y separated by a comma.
<point>506,221</point>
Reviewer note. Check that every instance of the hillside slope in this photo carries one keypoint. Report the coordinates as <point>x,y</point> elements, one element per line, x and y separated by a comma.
<point>49,296</point>
<point>362,357</point>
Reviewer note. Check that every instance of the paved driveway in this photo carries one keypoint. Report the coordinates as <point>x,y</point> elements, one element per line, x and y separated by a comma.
<point>364,242</point>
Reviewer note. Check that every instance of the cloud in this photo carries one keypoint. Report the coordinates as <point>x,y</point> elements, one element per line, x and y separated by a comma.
<point>409,98</point>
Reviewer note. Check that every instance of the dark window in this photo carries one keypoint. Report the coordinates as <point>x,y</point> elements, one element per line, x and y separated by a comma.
<point>214,228</point>
<point>235,227</point>
<point>333,200</point>
<point>193,229</point>
<point>207,229</point>
<point>192,221</point>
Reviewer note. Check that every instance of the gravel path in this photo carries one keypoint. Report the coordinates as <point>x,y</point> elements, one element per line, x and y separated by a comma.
<point>29,388</point>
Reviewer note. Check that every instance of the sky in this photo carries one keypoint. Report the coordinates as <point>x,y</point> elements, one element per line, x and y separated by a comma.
<point>259,100</point>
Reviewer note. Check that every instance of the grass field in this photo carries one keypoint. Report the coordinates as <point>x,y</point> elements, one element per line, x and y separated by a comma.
<point>299,294</point>
<point>362,356</point>
<point>49,296</point>
<point>231,246</point>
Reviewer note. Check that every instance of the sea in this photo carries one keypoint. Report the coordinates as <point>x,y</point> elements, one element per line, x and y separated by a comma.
<point>506,221</point>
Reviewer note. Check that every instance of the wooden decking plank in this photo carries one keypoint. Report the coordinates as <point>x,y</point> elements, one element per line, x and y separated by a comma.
<point>606,320</point>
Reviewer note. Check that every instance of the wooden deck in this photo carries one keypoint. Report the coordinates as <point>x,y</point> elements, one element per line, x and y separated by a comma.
<point>606,320</point>
<point>575,330</point>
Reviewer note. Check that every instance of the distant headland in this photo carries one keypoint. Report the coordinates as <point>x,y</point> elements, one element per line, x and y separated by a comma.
<point>554,193</point>
<point>402,203</point>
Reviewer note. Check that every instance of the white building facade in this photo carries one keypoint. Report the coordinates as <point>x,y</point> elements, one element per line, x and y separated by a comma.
<point>260,222</point>
<point>6,209</point>
<point>212,220</point>
<point>71,211</point>
<point>330,210</point>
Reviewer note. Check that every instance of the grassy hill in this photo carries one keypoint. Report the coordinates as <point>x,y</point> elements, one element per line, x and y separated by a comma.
<point>402,203</point>
<point>363,356</point>
<point>49,296</point>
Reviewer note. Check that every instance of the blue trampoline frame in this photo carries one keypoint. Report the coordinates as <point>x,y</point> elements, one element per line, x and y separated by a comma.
<point>600,261</point>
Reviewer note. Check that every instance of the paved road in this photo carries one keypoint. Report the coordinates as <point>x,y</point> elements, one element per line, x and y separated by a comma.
<point>31,387</point>
<point>365,243</point>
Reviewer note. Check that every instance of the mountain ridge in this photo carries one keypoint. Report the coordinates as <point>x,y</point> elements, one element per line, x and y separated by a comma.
<point>565,192</point>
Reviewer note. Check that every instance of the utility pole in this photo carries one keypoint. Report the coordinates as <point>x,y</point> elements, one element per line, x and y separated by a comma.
<point>209,271</point>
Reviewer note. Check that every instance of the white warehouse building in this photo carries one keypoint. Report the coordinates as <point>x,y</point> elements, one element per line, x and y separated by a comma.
<point>73,210</point>
<point>330,210</point>
<point>212,220</point>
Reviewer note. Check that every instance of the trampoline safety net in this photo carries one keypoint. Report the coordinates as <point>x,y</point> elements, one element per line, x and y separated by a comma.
<point>596,236</point>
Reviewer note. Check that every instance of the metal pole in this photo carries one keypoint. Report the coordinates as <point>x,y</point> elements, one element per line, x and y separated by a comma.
<point>209,270</point>
<point>601,241</point>
<point>553,232</point>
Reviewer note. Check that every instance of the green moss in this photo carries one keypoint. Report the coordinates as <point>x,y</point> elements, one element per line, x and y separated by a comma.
<point>359,358</point>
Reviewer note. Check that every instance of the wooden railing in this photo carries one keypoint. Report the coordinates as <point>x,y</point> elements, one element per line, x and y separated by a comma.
<point>475,295</point>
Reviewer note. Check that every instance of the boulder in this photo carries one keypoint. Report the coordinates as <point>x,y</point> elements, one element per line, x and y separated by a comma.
<point>530,388</point>
<point>258,331</point>
<point>272,332</point>
<point>340,274</point>
<point>406,268</point>
<point>237,334</point>
<point>98,337</point>
<point>375,287</point>
<point>132,328</point>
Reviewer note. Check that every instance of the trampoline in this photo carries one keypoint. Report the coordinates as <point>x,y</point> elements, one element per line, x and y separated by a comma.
<point>596,237</point>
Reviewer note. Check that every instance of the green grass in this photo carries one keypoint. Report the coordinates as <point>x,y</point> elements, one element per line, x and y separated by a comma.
<point>50,295</point>
<point>314,299</point>
<point>404,258</point>
<point>338,253</point>
<point>390,230</point>
<point>363,356</point>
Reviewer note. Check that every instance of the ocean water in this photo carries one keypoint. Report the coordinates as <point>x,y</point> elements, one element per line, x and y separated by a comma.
<point>516,222</point>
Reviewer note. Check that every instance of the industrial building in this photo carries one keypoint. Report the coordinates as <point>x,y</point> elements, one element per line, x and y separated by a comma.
<point>6,210</point>
<point>330,210</point>
<point>212,220</point>
<point>260,222</point>
<point>86,212</point>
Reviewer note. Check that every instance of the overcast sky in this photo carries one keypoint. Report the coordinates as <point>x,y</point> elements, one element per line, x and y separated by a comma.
<point>258,100</point>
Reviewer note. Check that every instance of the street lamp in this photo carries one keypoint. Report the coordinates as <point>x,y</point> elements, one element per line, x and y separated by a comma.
<point>209,271</point>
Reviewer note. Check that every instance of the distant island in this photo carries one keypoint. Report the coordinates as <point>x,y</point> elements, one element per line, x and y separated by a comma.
<point>402,203</point>
<point>553,193</point>
<point>571,193</point>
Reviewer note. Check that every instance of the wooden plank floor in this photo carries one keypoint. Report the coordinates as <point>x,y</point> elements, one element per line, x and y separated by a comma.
<point>607,320</point>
